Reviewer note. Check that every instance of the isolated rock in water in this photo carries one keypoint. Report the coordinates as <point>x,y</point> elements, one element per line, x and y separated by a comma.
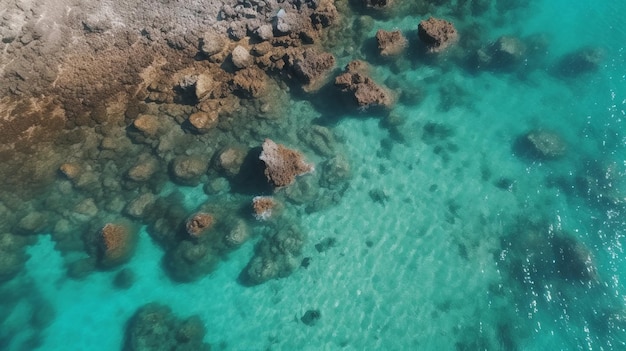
<point>202,122</point>
<point>263,206</point>
<point>117,244</point>
<point>241,57</point>
<point>250,82</point>
<point>437,34</point>
<point>282,165</point>
<point>198,224</point>
<point>312,68</point>
<point>363,89</point>
<point>545,144</point>
<point>580,62</point>
<point>390,43</point>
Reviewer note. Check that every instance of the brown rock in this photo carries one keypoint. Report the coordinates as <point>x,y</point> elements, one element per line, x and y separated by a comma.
<point>263,206</point>
<point>148,125</point>
<point>437,34</point>
<point>70,170</point>
<point>390,43</point>
<point>363,89</point>
<point>230,160</point>
<point>205,85</point>
<point>312,68</point>
<point>143,170</point>
<point>117,244</point>
<point>199,223</point>
<point>212,44</point>
<point>201,121</point>
<point>282,165</point>
<point>251,82</point>
<point>188,169</point>
<point>241,57</point>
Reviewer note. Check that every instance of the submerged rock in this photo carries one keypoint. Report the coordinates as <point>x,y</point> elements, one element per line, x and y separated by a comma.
<point>544,144</point>
<point>187,170</point>
<point>437,34</point>
<point>282,165</point>
<point>202,122</point>
<point>311,317</point>
<point>199,223</point>
<point>573,260</point>
<point>506,52</point>
<point>581,61</point>
<point>263,207</point>
<point>155,328</point>
<point>116,244</point>
<point>390,43</point>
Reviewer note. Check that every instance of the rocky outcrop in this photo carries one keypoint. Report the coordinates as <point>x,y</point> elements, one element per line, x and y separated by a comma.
<point>117,244</point>
<point>437,34</point>
<point>312,68</point>
<point>282,165</point>
<point>364,91</point>
<point>390,43</point>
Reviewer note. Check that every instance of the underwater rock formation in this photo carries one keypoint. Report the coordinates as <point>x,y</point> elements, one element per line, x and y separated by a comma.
<point>116,244</point>
<point>505,53</point>
<point>275,256</point>
<point>202,122</point>
<point>12,255</point>
<point>154,327</point>
<point>390,43</point>
<point>579,62</point>
<point>437,34</point>
<point>376,3</point>
<point>187,170</point>
<point>199,223</point>
<point>282,165</point>
<point>543,144</point>
<point>364,91</point>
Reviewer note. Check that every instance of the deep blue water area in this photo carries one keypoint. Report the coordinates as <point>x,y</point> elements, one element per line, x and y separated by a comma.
<point>484,211</point>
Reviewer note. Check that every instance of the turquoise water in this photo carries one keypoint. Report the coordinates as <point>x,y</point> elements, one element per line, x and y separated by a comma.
<point>442,232</point>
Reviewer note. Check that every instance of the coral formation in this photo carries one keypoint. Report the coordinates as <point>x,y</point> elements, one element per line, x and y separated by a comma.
<point>282,165</point>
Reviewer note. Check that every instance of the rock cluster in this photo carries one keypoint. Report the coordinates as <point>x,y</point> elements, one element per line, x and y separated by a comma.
<point>364,91</point>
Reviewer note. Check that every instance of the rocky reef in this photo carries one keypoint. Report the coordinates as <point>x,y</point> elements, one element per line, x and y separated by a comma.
<point>362,89</point>
<point>437,34</point>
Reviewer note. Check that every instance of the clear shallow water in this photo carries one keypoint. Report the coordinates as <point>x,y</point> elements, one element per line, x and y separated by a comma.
<point>420,261</point>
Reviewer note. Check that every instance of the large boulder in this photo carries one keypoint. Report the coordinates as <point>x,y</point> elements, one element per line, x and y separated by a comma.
<point>437,34</point>
<point>364,91</point>
<point>390,43</point>
<point>241,57</point>
<point>282,165</point>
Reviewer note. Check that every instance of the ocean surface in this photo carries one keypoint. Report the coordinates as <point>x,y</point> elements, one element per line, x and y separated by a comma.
<point>451,234</point>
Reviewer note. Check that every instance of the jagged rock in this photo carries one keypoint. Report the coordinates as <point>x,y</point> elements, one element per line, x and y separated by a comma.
<point>437,34</point>
<point>390,43</point>
<point>312,68</point>
<point>251,82</point>
<point>241,57</point>
<point>282,165</point>
<point>361,87</point>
